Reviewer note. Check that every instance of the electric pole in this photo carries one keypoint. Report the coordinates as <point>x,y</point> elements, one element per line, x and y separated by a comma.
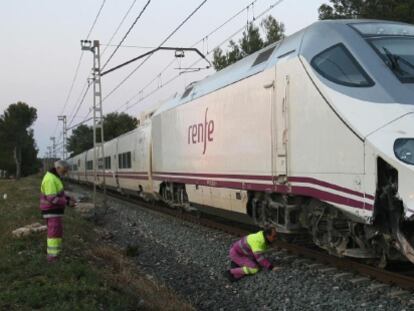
<point>64,138</point>
<point>49,156</point>
<point>53,139</point>
<point>98,131</point>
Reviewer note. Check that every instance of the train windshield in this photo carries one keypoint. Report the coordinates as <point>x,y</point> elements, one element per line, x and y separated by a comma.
<point>398,54</point>
<point>395,45</point>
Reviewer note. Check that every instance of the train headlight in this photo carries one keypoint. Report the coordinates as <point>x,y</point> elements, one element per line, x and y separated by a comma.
<point>404,150</point>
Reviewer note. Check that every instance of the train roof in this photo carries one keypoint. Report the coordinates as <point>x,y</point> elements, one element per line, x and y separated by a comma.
<point>255,63</point>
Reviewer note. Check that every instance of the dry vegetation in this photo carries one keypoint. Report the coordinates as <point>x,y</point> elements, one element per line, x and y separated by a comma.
<point>92,275</point>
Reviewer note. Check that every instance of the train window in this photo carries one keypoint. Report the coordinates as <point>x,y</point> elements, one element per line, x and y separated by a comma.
<point>124,160</point>
<point>376,29</point>
<point>398,54</point>
<point>100,163</point>
<point>339,66</point>
<point>120,156</point>
<point>89,165</point>
<point>128,160</point>
<point>264,56</point>
<point>187,92</point>
<point>107,163</point>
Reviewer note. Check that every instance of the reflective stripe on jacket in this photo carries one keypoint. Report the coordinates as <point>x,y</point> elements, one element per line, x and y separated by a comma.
<point>52,199</point>
<point>253,246</point>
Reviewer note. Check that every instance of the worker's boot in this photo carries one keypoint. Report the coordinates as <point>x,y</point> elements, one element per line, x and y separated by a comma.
<point>233,265</point>
<point>227,274</point>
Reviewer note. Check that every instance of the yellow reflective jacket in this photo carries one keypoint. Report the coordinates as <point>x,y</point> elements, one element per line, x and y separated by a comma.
<point>257,242</point>
<point>52,199</point>
<point>254,245</point>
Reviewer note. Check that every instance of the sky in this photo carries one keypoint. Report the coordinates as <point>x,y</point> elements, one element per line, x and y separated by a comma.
<point>40,51</point>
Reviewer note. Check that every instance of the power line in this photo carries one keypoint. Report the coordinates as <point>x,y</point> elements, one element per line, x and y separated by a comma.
<point>72,114</point>
<point>84,92</point>
<point>149,56</point>
<point>119,26</point>
<point>128,46</point>
<point>271,7</point>
<point>126,34</point>
<point>251,4</point>
<point>80,104</point>
<point>96,19</point>
<point>79,63</point>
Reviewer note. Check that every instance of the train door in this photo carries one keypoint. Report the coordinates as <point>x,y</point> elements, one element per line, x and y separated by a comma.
<point>279,109</point>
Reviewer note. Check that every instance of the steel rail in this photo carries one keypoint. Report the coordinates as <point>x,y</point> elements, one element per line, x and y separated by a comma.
<point>240,229</point>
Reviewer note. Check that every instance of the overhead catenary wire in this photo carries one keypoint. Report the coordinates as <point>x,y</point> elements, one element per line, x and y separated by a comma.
<point>75,76</point>
<point>126,34</point>
<point>149,56</point>
<point>202,40</point>
<point>72,115</point>
<point>271,7</point>
<point>119,27</point>
<point>81,97</point>
<point>80,104</point>
<point>129,46</point>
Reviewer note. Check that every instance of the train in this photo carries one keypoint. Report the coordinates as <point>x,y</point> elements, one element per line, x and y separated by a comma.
<point>313,135</point>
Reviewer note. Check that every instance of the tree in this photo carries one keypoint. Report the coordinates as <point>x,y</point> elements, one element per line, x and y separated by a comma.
<point>115,124</point>
<point>80,140</point>
<point>30,163</point>
<point>250,42</point>
<point>15,134</point>
<point>396,10</point>
<point>274,30</point>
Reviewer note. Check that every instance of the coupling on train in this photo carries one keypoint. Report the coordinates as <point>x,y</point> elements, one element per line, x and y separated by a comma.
<point>312,135</point>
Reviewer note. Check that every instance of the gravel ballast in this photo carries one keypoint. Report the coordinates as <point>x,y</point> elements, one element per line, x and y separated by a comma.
<point>191,259</point>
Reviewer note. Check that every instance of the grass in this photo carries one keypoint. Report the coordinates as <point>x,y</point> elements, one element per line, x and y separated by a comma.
<point>90,275</point>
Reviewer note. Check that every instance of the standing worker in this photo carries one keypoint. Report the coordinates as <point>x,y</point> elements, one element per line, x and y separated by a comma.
<point>53,201</point>
<point>246,254</point>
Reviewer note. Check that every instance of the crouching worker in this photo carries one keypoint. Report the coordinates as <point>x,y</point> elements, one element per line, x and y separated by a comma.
<point>246,254</point>
<point>53,201</point>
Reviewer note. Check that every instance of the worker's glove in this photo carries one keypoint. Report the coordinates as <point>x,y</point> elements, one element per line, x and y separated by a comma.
<point>71,201</point>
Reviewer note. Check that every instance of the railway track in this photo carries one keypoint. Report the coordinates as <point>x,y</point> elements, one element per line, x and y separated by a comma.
<point>403,279</point>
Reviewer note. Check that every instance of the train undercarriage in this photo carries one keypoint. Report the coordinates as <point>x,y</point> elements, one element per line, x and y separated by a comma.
<point>389,238</point>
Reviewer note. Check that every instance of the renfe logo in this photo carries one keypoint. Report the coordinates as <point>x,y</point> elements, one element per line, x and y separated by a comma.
<point>201,132</point>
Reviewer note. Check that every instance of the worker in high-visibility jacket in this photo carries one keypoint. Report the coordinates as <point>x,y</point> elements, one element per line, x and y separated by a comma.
<point>53,201</point>
<point>247,254</point>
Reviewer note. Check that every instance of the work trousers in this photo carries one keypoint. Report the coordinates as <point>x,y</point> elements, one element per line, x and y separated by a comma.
<point>246,264</point>
<point>54,237</point>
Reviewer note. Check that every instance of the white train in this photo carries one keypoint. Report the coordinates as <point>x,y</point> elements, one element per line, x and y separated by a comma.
<point>312,134</point>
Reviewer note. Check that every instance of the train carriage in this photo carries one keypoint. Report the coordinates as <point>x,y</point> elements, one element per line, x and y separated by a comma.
<point>312,134</point>
<point>110,163</point>
<point>285,135</point>
<point>133,161</point>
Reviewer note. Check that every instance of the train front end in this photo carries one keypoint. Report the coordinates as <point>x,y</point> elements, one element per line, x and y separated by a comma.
<point>391,147</point>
